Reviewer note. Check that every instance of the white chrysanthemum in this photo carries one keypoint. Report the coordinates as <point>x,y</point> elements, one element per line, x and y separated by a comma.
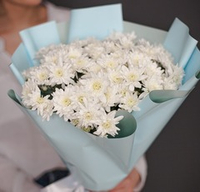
<point>123,90</point>
<point>115,76</point>
<point>63,102</point>
<point>47,111</point>
<point>44,51</point>
<point>74,52</point>
<point>80,94</point>
<point>95,68</point>
<point>178,74</point>
<point>42,104</point>
<point>27,89</point>
<point>88,113</point>
<point>144,46</point>
<point>161,55</point>
<point>27,73</point>
<point>96,84</point>
<point>51,59</point>
<point>125,40</point>
<point>133,77</point>
<point>112,98</point>
<point>57,56</point>
<point>108,62</point>
<point>153,83</point>
<point>152,69</point>
<point>136,58</point>
<point>61,74</point>
<point>173,81</point>
<point>130,102</point>
<point>40,75</point>
<point>109,47</point>
<point>84,42</point>
<point>107,124</point>
<point>81,64</point>
<point>94,50</point>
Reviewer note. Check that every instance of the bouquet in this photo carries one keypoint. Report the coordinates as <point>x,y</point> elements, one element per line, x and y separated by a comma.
<point>88,96</point>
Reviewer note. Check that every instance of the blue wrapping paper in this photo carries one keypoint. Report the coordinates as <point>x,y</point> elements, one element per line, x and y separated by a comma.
<point>101,163</point>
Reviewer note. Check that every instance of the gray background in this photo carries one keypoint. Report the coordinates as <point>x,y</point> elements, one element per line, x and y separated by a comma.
<point>174,157</point>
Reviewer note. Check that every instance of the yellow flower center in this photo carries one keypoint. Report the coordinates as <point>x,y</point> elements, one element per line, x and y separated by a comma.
<point>123,92</point>
<point>80,62</point>
<point>80,99</point>
<point>111,64</point>
<point>40,100</point>
<point>73,54</point>
<point>66,101</point>
<point>117,79</point>
<point>132,77</point>
<point>96,86</point>
<point>54,59</point>
<point>107,94</point>
<point>75,121</point>
<point>86,129</point>
<point>131,102</point>
<point>106,124</point>
<point>88,116</point>
<point>136,59</point>
<point>42,76</point>
<point>59,73</point>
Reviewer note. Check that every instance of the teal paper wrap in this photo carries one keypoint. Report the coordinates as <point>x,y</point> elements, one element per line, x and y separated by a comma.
<point>101,163</point>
